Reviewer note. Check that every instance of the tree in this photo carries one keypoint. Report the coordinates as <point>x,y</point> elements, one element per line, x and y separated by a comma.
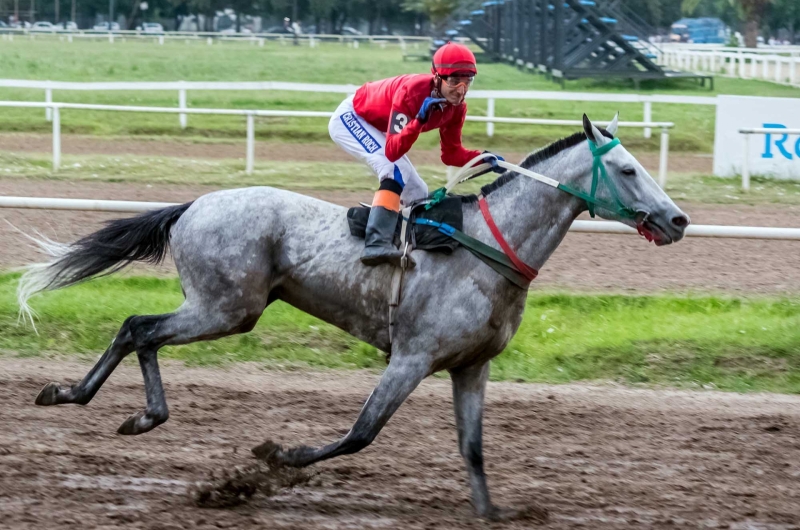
<point>437,11</point>
<point>751,13</point>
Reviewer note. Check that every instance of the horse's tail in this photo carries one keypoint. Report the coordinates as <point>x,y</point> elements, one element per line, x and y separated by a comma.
<point>113,247</point>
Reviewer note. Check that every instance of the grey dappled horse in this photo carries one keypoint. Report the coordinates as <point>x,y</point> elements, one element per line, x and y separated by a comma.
<point>239,250</point>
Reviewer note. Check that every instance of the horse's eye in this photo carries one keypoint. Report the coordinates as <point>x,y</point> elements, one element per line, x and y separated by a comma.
<point>629,172</point>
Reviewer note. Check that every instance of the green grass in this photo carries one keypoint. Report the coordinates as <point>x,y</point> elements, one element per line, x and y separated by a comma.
<point>686,341</point>
<point>339,176</point>
<point>330,63</point>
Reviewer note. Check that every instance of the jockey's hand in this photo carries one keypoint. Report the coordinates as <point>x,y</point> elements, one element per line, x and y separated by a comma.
<point>428,106</point>
<point>492,160</point>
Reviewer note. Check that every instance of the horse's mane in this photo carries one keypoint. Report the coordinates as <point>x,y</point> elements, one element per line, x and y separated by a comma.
<point>532,159</point>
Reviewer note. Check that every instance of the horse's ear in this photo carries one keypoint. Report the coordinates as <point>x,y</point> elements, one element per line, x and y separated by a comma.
<point>592,132</point>
<point>614,125</point>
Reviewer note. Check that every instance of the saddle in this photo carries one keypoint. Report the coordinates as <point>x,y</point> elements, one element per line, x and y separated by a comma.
<point>420,236</point>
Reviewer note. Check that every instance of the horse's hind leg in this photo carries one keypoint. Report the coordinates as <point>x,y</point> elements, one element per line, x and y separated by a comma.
<point>401,377</point>
<point>188,324</point>
<point>83,392</point>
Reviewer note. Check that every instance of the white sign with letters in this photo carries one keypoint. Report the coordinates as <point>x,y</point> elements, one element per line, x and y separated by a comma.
<point>776,154</point>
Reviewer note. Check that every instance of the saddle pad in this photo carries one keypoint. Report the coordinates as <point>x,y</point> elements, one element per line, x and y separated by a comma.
<point>422,237</point>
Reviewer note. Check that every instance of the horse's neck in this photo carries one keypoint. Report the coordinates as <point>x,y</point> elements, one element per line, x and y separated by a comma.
<point>534,217</point>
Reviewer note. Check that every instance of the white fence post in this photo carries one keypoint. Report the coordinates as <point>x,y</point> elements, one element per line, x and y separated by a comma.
<point>251,143</point>
<point>490,114</point>
<point>48,98</point>
<point>662,161</point>
<point>778,64</point>
<point>56,138</point>
<point>182,118</point>
<point>792,69</point>
<point>648,117</point>
<point>161,39</point>
<point>746,164</point>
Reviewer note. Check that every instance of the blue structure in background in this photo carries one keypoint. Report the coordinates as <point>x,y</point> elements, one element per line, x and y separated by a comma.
<point>699,31</point>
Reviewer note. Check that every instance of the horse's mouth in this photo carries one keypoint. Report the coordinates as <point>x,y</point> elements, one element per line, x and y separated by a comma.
<point>650,230</point>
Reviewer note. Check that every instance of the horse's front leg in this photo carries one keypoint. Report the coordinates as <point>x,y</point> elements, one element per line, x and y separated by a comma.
<point>469,388</point>
<point>401,377</point>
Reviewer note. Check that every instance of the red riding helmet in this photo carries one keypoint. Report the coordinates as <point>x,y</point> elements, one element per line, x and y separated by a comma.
<point>452,59</point>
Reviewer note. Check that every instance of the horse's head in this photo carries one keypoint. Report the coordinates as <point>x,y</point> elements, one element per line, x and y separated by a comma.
<point>627,193</point>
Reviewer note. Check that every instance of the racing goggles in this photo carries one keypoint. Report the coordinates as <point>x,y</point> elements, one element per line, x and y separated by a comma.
<point>454,81</point>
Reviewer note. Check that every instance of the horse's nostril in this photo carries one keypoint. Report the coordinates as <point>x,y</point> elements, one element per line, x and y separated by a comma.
<point>680,221</point>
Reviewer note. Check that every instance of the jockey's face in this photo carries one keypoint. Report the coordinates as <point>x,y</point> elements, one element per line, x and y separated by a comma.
<point>454,88</point>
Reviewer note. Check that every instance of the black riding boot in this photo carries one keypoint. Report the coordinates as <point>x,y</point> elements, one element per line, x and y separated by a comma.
<point>379,240</point>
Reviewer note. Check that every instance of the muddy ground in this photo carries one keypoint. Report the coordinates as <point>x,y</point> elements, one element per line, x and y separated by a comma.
<point>595,457</point>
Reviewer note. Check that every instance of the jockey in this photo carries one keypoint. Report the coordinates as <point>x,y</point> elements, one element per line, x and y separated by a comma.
<point>379,124</point>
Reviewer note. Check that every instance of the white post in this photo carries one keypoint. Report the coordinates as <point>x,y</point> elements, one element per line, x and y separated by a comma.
<point>260,43</point>
<point>161,39</point>
<point>792,68</point>
<point>746,164</point>
<point>741,65</point>
<point>209,41</point>
<point>56,138</point>
<point>69,38</point>
<point>662,161</point>
<point>251,143</point>
<point>490,114</point>
<point>48,98</point>
<point>182,104</point>
<point>311,42</point>
<point>402,44</point>
<point>778,64</point>
<point>648,117</point>
<point>765,68</point>
<point>753,65</point>
<point>111,38</point>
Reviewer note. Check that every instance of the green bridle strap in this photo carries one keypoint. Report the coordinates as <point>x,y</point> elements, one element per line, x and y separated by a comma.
<point>599,174</point>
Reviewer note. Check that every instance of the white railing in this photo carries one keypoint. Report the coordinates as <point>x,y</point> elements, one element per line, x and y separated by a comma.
<point>252,114</point>
<point>182,87</point>
<point>750,64</point>
<point>209,36</point>
<point>595,227</point>
<point>747,132</point>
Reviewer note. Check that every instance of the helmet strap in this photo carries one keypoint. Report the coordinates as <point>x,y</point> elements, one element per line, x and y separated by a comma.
<point>437,84</point>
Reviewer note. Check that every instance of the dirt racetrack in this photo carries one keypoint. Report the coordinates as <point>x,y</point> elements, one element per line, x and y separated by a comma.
<point>595,457</point>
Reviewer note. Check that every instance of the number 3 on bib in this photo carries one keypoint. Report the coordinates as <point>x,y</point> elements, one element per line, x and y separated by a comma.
<point>398,123</point>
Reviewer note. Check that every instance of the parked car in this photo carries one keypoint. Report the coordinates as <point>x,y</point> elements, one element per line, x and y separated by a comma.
<point>43,26</point>
<point>3,24</point>
<point>105,26</point>
<point>152,28</point>
<point>347,30</point>
<point>232,30</point>
<point>279,29</point>
<point>69,26</point>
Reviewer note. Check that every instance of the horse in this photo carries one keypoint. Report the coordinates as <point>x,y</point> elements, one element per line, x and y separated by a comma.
<point>239,250</point>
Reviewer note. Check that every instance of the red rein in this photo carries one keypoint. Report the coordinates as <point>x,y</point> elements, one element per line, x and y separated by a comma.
<point>529,273</point>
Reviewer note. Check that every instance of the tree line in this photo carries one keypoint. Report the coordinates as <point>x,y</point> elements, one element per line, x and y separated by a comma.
<point>769,18</point>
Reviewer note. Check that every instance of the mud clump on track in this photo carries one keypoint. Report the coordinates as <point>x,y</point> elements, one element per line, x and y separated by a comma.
<point>237,486</point>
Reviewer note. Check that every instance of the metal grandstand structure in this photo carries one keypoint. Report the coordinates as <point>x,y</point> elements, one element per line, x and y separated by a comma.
<point>568,39</point>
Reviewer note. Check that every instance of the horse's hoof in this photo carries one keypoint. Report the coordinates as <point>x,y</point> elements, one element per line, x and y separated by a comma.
<point>268,452</point>
<point>139,423</point>
<point>530,513</point>
<point>49,395</point>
